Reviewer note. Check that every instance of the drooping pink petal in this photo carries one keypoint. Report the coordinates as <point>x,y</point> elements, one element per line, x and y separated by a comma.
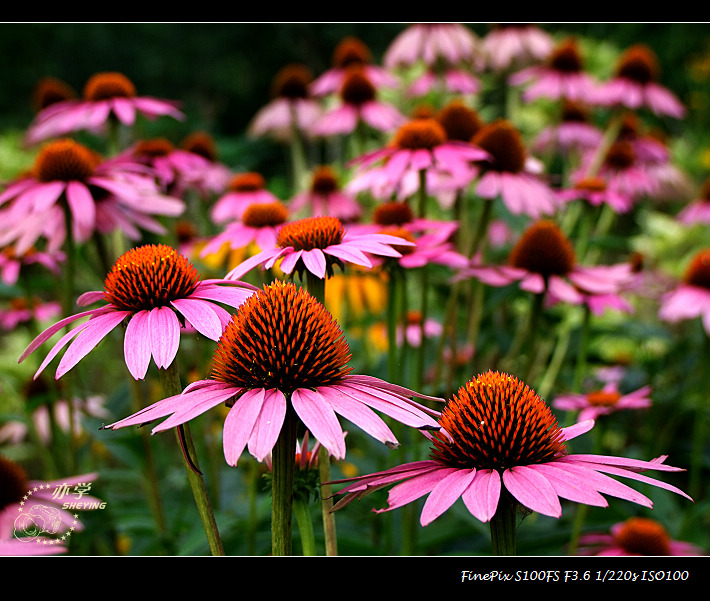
<point>602,483</point>
<point>349,255</point>
<point>482,496</point>
<point>445,494</point>
<point>194,393</point>
<point>416,487</point>
<point>571,487</point>
<point>52,330</point>
<point>268,426</point>
<point>314,261</point>
<point>89,298</point>
<point>164,335</point>
<point>60,344</point>
<point>95,331</point>
<point>389,405</point>
<point>125,110</point>
<point>561,290</point>
<point>247,265</point>
<point>83,208</point>
<point>364,484</point>
<point>45,195</point>
<point>319,417</point>
<point>359,414</point>
<point>153,107</point>
<point>634,475</point>
<point>200,315</point>
<point>581,427</point>
<point>289,260</point>
<point>228,294</point>
<point>239,424</point>
<point>533,490</point>
<point>194,404</point>
<point>136,345</point>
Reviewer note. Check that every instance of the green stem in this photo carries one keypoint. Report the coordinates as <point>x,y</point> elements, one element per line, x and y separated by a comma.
<point>422,193</point>
<point>301,511</point>
<point>503,527</point>
<point>316,286</point>
<point>326,492</point>
<point>283,469</point>
<point>700,422</point>
<point>392,325</point>
<point>151,477</point>
<point>582,353</point>
<point>170,379</point>
<point>424,309</point>
<point>481,228</point>
<point>68,307</point>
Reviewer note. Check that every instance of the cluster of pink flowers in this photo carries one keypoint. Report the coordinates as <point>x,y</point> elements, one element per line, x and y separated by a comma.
<point>440,199</point>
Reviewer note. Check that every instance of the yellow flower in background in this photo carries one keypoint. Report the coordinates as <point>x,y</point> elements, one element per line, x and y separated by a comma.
<point>358,293</point>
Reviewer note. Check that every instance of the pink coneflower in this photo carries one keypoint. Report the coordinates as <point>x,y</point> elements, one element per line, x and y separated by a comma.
<point>543,262</point>
<point>430,43</point>
<point>11,263</point>
<point>22,310</point>
<point>561,77</point>
<point>449,52</point>
<point>633,537</point>
<point>283,351</point>
<point>604,401</point>
<point>50,90</point>
<point>212,176</point>
<point>49,416</point>
<point>635,85</point>
<point>511,173</point>
<point>430,240</point>
<point>326,197</point>
<point>399,215</point>
<point>349,52</point>
<point>459,120</point>
<point>575,133</point>
<point>358,105</point>
<point>175,169</point>
<point>622,171</point>
<point>691,297</point>
<point>420,146</point>
<point>292,109</point>
<point>259,224</point>
<point>68,174</point>
<point>514,45</point>
<point>499,443</point>
<point>157,292</point>
<point>242,190</point>
<point>106,96</point>
<point>316,245</point>
<point>595,191</point>
<point>413,329</point>
<point>698,210</point>
<point>31,511</point>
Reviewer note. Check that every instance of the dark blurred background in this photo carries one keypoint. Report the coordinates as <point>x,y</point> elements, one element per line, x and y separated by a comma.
<point>222,72</point>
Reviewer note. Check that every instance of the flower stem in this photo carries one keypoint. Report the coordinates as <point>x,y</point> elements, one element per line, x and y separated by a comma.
<point>392,292</point>
<point>316,286</point>
<point>170,379</point>
<point>283,468</point>
<point>331,540</point>
<point>503,527</point>
<point>150,472</point>
<point>582,352</point>
<point>305,526</point>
